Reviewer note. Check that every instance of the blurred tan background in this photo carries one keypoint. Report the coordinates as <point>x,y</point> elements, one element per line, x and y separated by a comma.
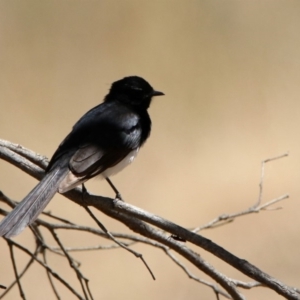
<point>230,71</point>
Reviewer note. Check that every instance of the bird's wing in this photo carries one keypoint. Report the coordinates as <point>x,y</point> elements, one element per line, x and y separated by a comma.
<point>100,140</point>
<point>90,159</point>
<point>106,128</point>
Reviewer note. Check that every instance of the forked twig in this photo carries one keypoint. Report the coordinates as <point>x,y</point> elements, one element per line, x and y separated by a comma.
<point>20,274</point>
<point>81,278</point>
<point>11,250</point>
<point>122,245</point>
<point>257,207</point>
<point>262,176</point>
<point>53,273</point>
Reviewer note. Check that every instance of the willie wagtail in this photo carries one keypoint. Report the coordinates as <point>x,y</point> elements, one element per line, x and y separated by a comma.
<point>104,141</point>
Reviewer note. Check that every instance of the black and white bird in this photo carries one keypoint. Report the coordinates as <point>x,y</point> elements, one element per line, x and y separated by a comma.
<point>104,141</point>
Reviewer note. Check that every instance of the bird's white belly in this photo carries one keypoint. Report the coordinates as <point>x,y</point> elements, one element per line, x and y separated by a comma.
<point>121,165</point>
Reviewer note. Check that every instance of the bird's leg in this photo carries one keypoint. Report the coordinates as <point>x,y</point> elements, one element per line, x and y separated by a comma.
<point>118,195</point>
<point>84,191</point>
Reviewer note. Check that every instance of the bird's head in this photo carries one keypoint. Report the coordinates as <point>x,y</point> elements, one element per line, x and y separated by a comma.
<point>133,90</point>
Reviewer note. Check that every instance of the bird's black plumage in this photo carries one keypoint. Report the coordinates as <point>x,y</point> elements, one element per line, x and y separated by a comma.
<point>105,139</point>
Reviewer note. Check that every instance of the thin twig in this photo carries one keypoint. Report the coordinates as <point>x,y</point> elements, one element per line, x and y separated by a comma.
<point>227,218</point>
<point>262,176</point>
<point>216,289</point>
<point>257,207</point>
<point>92,248</point>
<point>11,250</point>
<point>20,274</point>
<point>40,241</point>
<point>80,276</point>
<point>136,254</point>
<point>246,285</point>
<point>54,274</point>
<point>49,214</point>
<point>49,276</point>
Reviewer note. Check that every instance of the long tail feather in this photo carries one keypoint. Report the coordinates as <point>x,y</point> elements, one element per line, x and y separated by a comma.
<point>33,204</point>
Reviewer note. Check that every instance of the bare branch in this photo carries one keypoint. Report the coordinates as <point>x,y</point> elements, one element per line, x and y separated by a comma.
<point>139,221</point>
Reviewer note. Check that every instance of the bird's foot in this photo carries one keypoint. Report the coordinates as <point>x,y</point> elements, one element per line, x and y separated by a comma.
<point>119,197</point>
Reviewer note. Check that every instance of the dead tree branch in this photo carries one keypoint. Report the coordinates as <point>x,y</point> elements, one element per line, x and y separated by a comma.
<point>153,229</point>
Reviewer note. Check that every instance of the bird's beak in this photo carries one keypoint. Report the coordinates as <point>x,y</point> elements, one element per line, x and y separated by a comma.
<point>157,93</point>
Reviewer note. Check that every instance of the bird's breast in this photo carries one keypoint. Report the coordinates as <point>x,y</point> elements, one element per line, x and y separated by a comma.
<point>121,165</point>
